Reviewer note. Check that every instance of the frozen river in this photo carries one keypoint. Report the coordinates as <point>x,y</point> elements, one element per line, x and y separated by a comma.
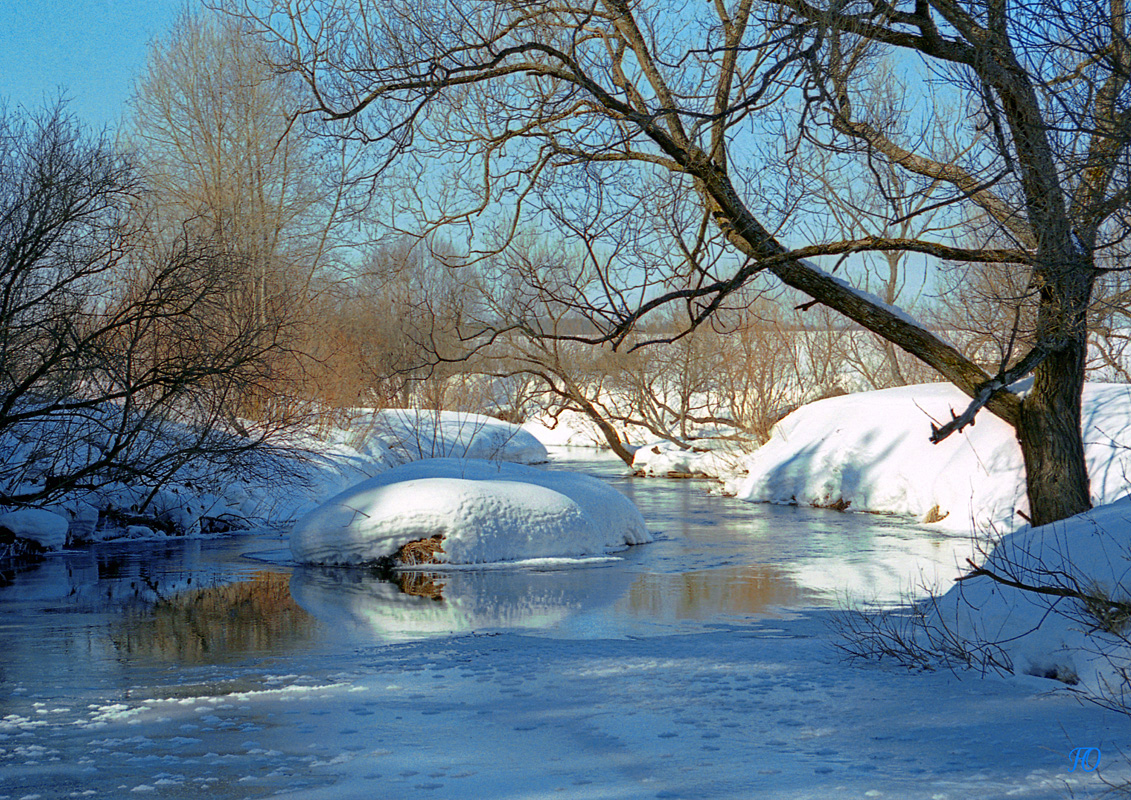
<point>696,666</point>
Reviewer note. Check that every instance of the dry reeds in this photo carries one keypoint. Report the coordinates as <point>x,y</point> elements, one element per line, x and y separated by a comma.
<point>420,551</point>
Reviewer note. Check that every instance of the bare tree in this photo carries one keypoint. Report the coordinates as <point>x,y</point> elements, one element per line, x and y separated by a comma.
<point>613,109</point>
<point>121,358</point>
<point>733,378</point>
<point>227,160</point>
<point>1110,350</point>
<point>216,132</point>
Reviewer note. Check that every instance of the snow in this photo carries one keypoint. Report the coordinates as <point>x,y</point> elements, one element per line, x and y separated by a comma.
<point>318,465</point>
<point>418,433</point>
<point>663,458</point>
<point>45,528</point>
<point>764,711</point>
<point>575,682</point>
<point>542,661</point>
<point>484,511</point>
<point>1044,635</point>
<point>372,441</point>
<point>872,450</point>
<point>570,428</point>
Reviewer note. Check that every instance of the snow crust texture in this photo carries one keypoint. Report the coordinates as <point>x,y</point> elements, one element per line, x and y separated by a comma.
<point>484,511</point>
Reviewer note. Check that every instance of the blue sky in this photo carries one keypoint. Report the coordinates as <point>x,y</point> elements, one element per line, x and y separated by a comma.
<point>91,49</point>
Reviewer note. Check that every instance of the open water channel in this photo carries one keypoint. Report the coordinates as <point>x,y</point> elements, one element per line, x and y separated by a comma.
<point>97,639</point>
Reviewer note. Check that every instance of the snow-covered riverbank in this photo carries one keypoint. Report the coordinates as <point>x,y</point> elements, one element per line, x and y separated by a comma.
<point>677,670</point>
<point>669,671</point>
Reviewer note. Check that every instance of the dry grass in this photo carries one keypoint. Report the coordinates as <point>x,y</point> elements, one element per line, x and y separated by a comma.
<point>420,551</point>
<point>934,515</point>
<point>840,504</point>
<point>416,553</point>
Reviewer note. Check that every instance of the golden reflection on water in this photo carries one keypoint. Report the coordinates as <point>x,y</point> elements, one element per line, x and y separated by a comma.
<point>752,589</point>
<point>421,584</point>
<point>206,625</point>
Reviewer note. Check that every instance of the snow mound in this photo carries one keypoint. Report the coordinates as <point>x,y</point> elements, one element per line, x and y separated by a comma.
<point>45,528</point>
<point>373,441</point>
<point>872,450</point>
<point>1048,635</point>
<point>660,459</point>
<point>418,434</point>
<point>484,511</point>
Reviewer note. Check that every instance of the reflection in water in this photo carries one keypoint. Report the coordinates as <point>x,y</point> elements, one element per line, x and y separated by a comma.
<point>756,589</point>
<point>722,554</point>
<point>464,600</point>
<point>206,625</point>
<point>113,610</point>
<point>714,557</point>
<point>421,584</point>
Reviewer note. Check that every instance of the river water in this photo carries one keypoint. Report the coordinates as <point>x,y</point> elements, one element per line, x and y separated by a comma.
<point>85,635</point>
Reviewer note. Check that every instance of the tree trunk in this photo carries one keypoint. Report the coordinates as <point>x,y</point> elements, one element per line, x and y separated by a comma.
<point>1048,425</point>
<point>610,434</point>
<point>608,431</point>
<point>1051,441</point>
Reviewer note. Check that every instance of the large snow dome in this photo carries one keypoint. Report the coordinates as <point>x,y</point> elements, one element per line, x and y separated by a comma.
<point>483,511</point>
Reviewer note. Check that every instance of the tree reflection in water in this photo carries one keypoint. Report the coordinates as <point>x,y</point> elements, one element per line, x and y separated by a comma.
<point>217,623</point>
<point>751,589</point>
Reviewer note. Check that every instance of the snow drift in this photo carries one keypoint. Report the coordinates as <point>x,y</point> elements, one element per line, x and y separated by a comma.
<point>46,528</point>
<point>1077,641</point>
<point>276,486</point>
<point>419,433</point>
<point>872,450</point>
<point>484,512</point>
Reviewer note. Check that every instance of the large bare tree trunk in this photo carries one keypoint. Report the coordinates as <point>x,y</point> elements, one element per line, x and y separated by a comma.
<point>1049,430</point>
